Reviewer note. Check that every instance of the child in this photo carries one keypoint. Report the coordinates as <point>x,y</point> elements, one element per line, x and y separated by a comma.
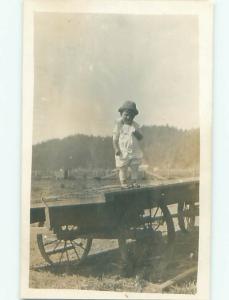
<point>126,137</point>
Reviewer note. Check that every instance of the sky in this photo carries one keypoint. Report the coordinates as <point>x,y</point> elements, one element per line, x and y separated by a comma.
<point>87,65</point>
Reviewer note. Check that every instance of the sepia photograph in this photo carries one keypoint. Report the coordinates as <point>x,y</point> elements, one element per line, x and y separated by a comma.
<point>116,156</point>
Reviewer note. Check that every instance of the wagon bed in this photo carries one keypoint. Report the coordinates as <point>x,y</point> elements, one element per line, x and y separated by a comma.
<point>170,190</point>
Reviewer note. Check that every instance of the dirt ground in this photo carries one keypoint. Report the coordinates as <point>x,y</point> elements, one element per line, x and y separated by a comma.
<point>103,269</point>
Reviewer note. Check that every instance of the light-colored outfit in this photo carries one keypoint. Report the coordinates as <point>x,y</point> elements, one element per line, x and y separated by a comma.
<point>131,154</point>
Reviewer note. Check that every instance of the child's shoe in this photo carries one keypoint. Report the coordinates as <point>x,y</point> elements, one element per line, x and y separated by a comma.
<point>136,185</point>
<point>126,185</point>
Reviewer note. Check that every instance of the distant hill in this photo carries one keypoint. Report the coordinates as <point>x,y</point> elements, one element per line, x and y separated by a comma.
<point>163,146</point>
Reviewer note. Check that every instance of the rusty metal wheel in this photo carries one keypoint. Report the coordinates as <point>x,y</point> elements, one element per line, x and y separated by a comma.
<point>159,221</point>
<point>67,249</point>
<point>186,215</point>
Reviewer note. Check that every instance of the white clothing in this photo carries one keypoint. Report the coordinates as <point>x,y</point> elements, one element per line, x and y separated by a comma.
<point>129,145</point>
<point>123,173</point>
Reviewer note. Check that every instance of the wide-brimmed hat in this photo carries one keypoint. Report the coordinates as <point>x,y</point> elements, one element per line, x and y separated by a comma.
<point>128,105</point>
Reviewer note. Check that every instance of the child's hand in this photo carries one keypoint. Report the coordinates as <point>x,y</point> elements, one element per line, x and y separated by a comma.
<point>137,134</point>
<point>117,152</point>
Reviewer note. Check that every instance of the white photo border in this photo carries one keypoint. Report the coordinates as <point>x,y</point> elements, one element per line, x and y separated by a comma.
<point>204,11</point>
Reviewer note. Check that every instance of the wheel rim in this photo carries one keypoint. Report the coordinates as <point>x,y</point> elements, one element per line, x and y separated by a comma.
<point>59,251</point>
<point>161,223</point>
<point>186,216</point>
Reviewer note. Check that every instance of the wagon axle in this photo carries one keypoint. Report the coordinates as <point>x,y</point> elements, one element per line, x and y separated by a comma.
<point>104,233</point>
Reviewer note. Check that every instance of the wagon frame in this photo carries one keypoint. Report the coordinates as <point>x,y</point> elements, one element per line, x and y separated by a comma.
<point>139,214</point>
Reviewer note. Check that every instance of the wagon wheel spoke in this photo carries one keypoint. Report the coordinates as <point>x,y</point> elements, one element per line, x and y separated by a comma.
<point>57,245</point>
<point>62,253</point>
<point>79,245</point>
<point>75,250</point>
<point>186,215</point>
<point>67,255</point>
<point>160,220</point>
<point>64,250</point>
<point>156,212</point>
<point>51,242</point>
<point>156,227</point>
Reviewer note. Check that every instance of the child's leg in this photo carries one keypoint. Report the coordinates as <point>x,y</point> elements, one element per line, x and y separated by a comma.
<point>134,172</point>
<point>123,175</point>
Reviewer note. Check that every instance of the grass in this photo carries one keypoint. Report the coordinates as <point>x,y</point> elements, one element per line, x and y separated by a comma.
<point>186,288</point>
<point>104,272</point>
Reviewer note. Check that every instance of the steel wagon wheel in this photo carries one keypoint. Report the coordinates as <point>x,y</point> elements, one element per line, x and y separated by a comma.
<point>160,222</point>
<point>186,215</point>
<point>67,249</point>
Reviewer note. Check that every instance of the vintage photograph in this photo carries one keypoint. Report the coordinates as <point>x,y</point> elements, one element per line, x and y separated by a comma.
<point>116,157</point>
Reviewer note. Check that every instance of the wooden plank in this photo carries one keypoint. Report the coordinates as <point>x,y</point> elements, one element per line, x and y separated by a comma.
<point>178,278</point>
<point>103,194</point>
<point>158,288</point>
<point>69,202</point>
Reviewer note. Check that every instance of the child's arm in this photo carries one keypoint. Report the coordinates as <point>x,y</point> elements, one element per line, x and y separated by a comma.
<point>116,139</point>
<point>116,146</point>
<point>137,132</point>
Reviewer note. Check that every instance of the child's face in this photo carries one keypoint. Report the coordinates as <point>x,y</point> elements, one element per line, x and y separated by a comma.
<point>128,116</point>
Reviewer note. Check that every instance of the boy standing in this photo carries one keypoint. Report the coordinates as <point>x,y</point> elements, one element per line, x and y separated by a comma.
<point>126,137</point>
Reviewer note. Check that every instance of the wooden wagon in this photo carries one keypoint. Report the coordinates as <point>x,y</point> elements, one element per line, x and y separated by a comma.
<point>136,214</point>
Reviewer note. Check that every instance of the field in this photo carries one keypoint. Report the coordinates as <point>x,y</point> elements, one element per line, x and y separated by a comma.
<point>103,269</point>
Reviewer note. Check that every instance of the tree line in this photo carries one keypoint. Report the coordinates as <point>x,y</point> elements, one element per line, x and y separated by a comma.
<point>162,146</point>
